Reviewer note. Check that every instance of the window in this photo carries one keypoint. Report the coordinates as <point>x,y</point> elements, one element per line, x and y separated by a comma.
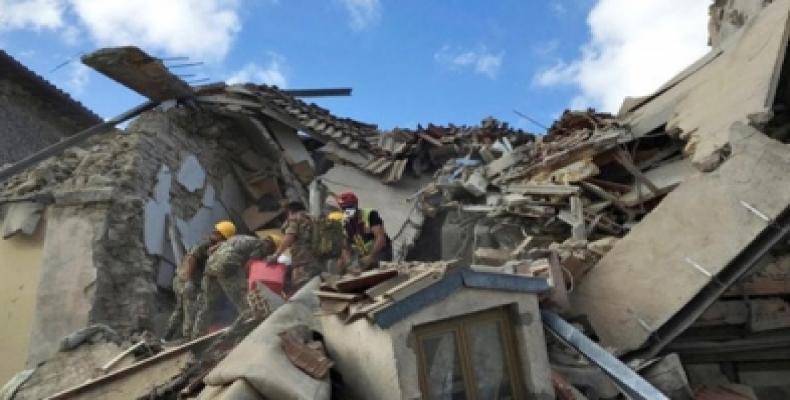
<point>471,357</point>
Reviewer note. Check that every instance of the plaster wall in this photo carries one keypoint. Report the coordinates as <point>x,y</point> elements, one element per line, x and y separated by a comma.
<point>66,285</point>
<point>20,265</point>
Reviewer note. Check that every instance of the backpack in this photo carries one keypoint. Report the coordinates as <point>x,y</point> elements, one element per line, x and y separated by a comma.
<point>326,238</point>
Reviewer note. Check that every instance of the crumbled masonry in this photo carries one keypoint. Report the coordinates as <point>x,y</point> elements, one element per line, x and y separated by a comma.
<point>639,255</point>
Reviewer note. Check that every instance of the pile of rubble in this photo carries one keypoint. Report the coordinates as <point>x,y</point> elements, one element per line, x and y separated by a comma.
<point>643,255</point>
<point>588,180</point>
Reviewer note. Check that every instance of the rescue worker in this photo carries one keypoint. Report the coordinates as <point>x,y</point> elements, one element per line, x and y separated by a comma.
<point>188,276</point>
<point>298,237</point>
<point>226,273</point>
<point>365,235</point>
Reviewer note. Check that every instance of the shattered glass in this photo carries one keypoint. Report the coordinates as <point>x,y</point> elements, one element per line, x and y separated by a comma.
<point>488,360</point>
<point>443,363</point>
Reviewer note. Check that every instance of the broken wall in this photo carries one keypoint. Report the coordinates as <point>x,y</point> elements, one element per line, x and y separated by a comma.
<point>107,255</point>
<point>727,16</point>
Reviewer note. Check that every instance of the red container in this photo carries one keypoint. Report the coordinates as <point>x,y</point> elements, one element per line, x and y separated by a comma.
<point>270,274</point>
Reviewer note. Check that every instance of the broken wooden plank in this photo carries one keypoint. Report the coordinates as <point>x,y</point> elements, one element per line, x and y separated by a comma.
<point>430,140</point>
<point>665,178</point>
<point>364,280</point>
<point>625,160</point>
<point>542,189</point>
<point>413,285</point>
<point>350,297</point>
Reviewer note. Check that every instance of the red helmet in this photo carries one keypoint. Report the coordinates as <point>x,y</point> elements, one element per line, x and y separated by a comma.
<point>347,199</point>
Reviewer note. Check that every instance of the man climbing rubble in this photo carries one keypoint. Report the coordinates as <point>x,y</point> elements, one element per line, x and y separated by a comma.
<point>366,239</point>
<point>298,231</point>
<point>226,273</point>
<point>189,275</point>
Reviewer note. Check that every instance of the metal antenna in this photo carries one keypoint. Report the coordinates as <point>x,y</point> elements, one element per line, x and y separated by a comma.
<point>65,63</point>
<point>530,119</point>
<point>173,58</point>
<point>185,65</point>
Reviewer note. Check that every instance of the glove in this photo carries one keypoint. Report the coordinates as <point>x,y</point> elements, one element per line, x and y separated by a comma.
<point>272,259</point>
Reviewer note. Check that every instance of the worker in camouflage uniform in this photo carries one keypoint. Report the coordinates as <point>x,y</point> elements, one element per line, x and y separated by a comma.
<point>188,276</point>
<point>298,231</point>
<point>226,273</point>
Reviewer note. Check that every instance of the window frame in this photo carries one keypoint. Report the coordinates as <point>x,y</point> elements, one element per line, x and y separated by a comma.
<point>458,326</point>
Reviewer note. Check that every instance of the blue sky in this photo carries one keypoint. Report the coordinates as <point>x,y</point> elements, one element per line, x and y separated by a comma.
<point>408,61</point>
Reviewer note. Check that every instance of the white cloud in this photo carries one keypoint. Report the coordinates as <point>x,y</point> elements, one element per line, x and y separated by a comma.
<point>635,47</point>
<point>362,13</point>
<point>71,35</point>
<point>201,29</point>
<point>78,76</point>
<point>480,61</point>
<point>271,74</point>
<point>546,48</point>
<point>31,14</point>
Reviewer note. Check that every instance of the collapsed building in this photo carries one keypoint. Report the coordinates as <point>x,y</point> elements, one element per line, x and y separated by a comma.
<point>643,254</point>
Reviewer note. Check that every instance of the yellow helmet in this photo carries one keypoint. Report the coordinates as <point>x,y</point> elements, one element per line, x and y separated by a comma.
<point>225,228</point>
<point>277,239</point>
<point>336,216</point>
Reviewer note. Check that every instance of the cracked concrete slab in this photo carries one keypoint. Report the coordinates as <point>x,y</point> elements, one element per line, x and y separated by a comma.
<point>685,242</point>
<point>728,84</point>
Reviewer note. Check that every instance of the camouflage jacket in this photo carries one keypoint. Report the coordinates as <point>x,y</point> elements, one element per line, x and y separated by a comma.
<point>200,253</point>
<point>301,226</point>
<point>235,252</point>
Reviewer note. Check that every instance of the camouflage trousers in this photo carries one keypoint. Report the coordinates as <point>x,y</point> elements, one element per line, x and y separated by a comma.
<point>183,317</point>
<point>233,283</point>
<point>302,273</point>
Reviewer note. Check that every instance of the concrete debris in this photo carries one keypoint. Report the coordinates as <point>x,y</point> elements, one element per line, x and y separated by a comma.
<point>22,217</point>
<point>652,245</point>
<point>138,71</point>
